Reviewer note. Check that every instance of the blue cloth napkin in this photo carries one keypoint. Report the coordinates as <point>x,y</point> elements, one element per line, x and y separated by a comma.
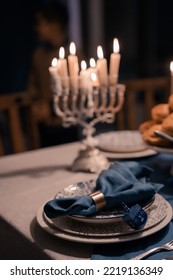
<point>126,182</point>
<point>161,165</point>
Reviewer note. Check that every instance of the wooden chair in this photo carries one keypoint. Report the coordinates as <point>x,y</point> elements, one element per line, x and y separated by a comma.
<point>20,127</point>
<point>140,96</point>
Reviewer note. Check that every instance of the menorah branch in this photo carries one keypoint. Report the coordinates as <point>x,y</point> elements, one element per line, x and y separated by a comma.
<point>87,107</point>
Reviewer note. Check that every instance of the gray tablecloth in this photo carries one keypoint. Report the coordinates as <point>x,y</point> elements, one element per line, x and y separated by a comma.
<point>28,180</point>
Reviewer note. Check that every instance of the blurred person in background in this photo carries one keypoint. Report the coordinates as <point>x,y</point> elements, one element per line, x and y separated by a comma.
<point>52,20</point>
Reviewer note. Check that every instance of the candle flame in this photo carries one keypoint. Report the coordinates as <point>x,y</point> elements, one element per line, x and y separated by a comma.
<point>171,66</point>
<point>72,48</point>
<point>93,76</point>
<point>54,62</point>
<point>61,53</point>
<point>100,52</point>
<point>116,47</point>
<point>83,65</point>
<point>92,62</point>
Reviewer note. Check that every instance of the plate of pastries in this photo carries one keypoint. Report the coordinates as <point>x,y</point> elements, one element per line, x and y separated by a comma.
<point>162,122</point>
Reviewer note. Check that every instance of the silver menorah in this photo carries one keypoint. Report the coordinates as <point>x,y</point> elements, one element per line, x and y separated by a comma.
<point>87,107</point>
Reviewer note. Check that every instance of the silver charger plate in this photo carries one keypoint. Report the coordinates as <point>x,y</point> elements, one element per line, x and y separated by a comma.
<point>115,228</point>
<point>105,216</point>
<point>130,155</point>
<point>124,144</point>
<point>157,220</point>
<point>125,141</point>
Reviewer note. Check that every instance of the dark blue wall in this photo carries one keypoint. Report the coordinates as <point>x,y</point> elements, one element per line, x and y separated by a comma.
<point>16,42</point>
<point>144,28</point>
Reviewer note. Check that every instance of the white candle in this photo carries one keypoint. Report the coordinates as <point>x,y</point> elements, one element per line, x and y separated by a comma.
<point>83,65</point>
<point>84,76</point>
<point>63,71</point>
<point>171,70</point>
<point>94,80</point>
<point>92,63</point>
<point>53,69</point>
<point>114,62</point>
<point>55,79</point>
<point>102,67</point>
<point>73,66</point>
<point>92,67</point>
<point>93,73</point>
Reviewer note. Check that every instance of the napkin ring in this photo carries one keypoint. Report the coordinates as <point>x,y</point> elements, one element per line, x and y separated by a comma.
<point>99,199</point>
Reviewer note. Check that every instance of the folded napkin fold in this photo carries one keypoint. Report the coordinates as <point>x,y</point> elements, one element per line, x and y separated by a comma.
<point>126,182</point>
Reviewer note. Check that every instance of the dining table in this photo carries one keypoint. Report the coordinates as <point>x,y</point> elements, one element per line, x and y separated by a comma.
<point>28,180</point>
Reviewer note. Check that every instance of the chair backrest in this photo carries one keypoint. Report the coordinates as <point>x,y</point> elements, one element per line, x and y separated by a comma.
<point>140,96</point>
<point>17,125</point>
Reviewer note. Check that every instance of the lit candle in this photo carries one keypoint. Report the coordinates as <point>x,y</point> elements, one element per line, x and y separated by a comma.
<point>171,69</point>
<point>53,69</point>
<point>93,73</point>
<point>83,66</point>
<point>92,67</point>
<point>62,70</point>
<point>73,66</point>
<point>94,80</point>
<point>114,62</point>
<point>102,67</point>
<point>55,78</point>
<point>92,63</point>
<point>84,76</point>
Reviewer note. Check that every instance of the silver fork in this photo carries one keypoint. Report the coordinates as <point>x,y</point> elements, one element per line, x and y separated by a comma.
<point>168,246</point>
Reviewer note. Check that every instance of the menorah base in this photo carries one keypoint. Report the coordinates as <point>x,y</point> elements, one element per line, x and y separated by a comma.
<point>90,160</point>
